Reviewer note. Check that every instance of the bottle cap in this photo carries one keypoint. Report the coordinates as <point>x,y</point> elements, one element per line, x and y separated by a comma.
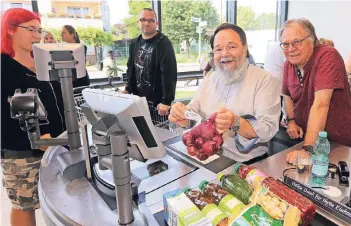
<point>220,175</point>
<point>186,190</point>
<point>203,184</point>
<point>236,167</point>
<point>323,134</point>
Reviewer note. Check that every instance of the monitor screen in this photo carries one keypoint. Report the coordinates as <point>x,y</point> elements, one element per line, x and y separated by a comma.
<point>44,54</point>
<point>133,117</point>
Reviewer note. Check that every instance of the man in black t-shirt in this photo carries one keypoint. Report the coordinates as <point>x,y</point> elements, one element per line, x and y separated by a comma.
<point>152,66</point>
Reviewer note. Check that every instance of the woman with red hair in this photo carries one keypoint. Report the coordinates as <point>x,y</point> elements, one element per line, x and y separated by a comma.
<point>20,29</point>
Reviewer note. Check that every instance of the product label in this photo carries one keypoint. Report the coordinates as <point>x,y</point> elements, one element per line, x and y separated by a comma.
<point>323,201</point>
<point>229,203</point>
<point>320,168</point>
<point>213,213</point>
<point>255,176</point>
<point>255,216</point>
<point>182,211</point>
<point>270,203</point>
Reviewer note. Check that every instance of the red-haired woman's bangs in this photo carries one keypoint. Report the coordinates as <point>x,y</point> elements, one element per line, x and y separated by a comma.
<point>14,16</point>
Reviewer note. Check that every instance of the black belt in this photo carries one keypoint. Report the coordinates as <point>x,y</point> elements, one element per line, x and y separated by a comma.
<point>17,154</point>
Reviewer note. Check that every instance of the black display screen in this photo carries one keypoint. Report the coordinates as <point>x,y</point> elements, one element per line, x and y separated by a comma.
<point>145,132</point>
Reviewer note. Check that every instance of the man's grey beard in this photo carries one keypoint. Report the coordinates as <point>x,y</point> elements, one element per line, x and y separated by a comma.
<point>230,76</point>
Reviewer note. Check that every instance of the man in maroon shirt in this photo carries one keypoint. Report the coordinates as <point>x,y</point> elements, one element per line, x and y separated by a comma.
<point>315,88</point>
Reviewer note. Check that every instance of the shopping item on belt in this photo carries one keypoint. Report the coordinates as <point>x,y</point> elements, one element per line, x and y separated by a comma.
<point>203,140</point>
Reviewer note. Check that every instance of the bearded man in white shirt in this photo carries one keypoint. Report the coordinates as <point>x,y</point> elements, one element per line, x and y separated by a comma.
<point>245,98</point>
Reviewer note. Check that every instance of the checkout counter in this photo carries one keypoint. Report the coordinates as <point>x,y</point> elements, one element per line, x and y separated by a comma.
<point>79,202</point>
<point>88,196</point>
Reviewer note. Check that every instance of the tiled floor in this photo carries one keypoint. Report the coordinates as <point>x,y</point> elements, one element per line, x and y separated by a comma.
<point>6,208</point>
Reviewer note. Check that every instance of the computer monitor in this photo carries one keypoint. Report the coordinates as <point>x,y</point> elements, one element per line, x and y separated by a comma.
<point>45,54</point>
<point>133,117</point>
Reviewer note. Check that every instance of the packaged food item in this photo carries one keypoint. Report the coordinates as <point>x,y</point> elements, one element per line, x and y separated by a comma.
<point>225,201</point>
<point>203,140</point>
<point>253,215</point>
<point>252,175</point>
<point>293,198</point>
<point>207,207</point>
<point>276,207</point>
<point>236,186</point>
<point>181,211</point>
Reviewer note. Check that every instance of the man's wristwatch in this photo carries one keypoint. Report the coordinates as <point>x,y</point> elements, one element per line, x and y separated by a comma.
<point>308,148</point>
<point>236,126</point>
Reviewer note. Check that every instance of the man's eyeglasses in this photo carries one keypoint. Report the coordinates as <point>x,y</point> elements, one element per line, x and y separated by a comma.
<point>219,50</point>
<point>31,29</point>
<point>143,20</point>
<point>296,43</point>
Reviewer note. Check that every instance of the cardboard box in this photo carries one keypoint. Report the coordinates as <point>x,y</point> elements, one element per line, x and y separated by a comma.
<point>181,211</point>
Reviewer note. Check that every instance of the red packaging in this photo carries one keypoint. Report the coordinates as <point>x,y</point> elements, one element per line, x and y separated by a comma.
<point>305,205</point>
<point>244,170</point>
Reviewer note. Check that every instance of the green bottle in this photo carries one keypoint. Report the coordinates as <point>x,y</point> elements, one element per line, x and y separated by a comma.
<point>225,201</point>
<point>236,186</point>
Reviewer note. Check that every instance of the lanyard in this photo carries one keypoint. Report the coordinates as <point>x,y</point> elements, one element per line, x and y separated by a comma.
<point>225,97</point>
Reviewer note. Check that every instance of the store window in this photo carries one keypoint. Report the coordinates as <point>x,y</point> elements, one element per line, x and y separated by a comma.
<point>189,25</point>
<point>16,5</point>
<point>77,12</point>
<point>74,11</point>
<point>7,4</point>
<point>102,26</point>
<point>259,20</point>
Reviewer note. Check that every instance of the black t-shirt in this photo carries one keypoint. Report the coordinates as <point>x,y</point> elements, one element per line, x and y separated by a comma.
<point>142,65</point>
<point>13,76</point>
<point>159,71</point>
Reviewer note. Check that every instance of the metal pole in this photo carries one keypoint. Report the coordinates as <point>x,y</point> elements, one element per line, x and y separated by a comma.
<point>35,6</point>
<point>200,30</point>
<point>156,6</point>
<point>69,107</point>
<point>122,177</point>
<point>199,41</point>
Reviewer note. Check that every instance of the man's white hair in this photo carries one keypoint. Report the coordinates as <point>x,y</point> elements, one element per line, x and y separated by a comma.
<point>305,24</point>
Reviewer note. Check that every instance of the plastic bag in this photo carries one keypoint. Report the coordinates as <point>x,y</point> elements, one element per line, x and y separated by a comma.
<point>304,205</point>
<point>276,207</point>
<point>203,140</point>
<point>253,215</point>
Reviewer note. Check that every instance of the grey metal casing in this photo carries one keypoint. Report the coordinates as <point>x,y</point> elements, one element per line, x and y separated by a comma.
<point>43,59</point>
<point>125,107</point>
<point>72,164</point>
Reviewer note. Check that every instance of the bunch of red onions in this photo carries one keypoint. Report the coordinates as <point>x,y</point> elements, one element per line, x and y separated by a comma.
<point>203,140</point>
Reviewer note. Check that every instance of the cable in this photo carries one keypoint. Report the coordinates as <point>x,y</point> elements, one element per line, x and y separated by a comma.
<point>288,170</point>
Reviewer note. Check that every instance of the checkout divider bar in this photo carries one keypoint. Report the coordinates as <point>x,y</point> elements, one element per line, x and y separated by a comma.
<point>338,209</point>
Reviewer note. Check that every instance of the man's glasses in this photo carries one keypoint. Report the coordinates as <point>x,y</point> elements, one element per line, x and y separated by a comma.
<point>31,29</point>
<point>143,20</point>
<point>296,43</point>
<point>228,48</point>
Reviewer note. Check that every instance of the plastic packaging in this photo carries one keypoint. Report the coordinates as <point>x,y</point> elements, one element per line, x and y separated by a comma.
<point>203,140</point>
<point>252,175</point>
<point>181,211</point>
<point>207,207</point>
<point>276,207</point>
<point>320,160</point>
<point>236,186</point>
<point>293,198</point>
<point>253,215</point>
<point>225,201</point>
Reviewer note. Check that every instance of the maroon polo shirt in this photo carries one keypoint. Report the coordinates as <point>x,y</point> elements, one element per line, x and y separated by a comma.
<point>324,70</point>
